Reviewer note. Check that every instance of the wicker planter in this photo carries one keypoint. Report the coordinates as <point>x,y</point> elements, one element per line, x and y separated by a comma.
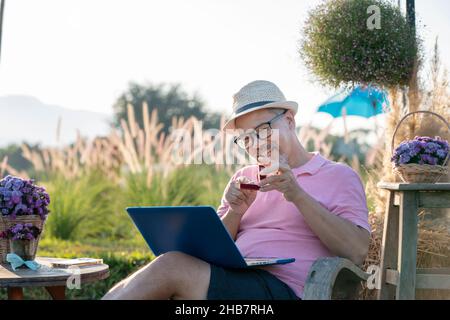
<point>26,249</point>
<point>420,173</point>
<point>6,222</point>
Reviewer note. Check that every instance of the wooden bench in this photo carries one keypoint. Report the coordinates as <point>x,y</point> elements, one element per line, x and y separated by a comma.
<point>333,278</point>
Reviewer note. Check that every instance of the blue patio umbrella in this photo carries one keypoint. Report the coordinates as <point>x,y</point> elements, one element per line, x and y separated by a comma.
<point>362,101</point>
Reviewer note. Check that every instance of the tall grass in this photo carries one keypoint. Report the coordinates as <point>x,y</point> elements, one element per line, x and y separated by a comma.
<point>92,207</point>
<point>192,185</point>
<point>82,207</point>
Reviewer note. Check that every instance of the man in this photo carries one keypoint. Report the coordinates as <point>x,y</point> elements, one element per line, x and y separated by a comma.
<point>310,208</point>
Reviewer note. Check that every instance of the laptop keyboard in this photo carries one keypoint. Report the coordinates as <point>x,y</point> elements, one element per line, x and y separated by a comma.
<point>257,261</point>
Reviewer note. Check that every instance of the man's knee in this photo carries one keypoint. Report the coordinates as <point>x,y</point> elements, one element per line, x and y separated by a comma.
<point>183,272</point>
<point>173,257</point>
<point>171,261</point>
<point>169,264</point>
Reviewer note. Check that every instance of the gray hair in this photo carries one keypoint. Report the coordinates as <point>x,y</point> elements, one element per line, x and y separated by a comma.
<point>277,110</point>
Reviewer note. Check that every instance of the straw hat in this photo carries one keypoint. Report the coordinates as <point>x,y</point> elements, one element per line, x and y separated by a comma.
<point>257,95</point>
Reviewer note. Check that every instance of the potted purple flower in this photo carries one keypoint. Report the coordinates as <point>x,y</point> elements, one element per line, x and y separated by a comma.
<point>22,239</point>
<point>21,202</point>
<point>422,159</point>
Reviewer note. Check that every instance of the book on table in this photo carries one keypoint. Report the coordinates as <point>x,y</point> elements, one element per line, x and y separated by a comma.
<point>79,262</point>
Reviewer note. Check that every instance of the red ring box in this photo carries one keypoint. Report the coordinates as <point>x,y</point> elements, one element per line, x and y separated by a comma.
<point>252,186</point>
<point>249,186</point>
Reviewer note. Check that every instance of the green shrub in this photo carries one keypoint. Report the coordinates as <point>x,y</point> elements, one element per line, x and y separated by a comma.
<point>91,207</point>
<point>191,185</point>
<point>340,49</point>
<point>81,207</point>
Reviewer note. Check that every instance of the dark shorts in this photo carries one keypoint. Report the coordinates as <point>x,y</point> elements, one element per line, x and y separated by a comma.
<point>247,284</point>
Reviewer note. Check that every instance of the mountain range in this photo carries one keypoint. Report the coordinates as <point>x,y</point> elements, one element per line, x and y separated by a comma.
<point>26,119</point>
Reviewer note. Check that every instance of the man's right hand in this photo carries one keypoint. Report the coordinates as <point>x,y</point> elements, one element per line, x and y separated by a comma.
<point>240,200</point>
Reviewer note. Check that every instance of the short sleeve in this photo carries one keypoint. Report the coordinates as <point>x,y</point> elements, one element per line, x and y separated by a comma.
<point>350,199</point>
<point>224,205</point>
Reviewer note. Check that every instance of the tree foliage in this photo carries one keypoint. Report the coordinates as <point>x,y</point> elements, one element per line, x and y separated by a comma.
<point>170,100</point>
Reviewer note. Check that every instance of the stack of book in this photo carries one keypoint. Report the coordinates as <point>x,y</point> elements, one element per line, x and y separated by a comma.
<point>78,262</point>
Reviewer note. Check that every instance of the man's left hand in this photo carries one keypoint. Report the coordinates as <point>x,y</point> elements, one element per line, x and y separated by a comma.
<point>284,181</point>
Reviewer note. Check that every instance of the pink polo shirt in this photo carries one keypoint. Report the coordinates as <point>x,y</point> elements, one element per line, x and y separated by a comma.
<point>274,227</point>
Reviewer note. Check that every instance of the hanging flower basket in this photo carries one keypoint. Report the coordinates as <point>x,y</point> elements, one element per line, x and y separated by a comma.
<point>423,159</point>
<point>21,203</point>
<point>340,49</point>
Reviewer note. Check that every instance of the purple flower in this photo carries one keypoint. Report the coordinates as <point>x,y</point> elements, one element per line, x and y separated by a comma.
<point>17,185</point>
<point>20,197</point>
<point>432,160</point>
<point>21,232</point>
<point>7,195</point>
<point>20,207</point>
<point>421,150</point>
<point>26,189</point>
<point>38,203</point>
<point>404,158</point>
<point>16,196</point>
<point>8,184</point>
<point>17,228</point>
<point>414,150</point>
<point>443,144</point>
<point>427,159</point>
<point>441,153</point>
<point>403,147</point>
<point>431,147</point>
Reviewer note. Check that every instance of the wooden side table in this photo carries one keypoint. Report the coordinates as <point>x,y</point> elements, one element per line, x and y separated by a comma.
<point>53,279</point>
<point>399,276</point>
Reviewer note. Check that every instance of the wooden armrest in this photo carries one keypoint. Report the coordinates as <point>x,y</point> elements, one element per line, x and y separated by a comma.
<point>333,278</point>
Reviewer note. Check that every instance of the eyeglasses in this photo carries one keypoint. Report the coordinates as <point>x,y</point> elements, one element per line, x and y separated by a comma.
<point>261,132</point>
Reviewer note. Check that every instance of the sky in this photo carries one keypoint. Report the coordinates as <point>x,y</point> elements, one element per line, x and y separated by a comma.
<point>81,54</point>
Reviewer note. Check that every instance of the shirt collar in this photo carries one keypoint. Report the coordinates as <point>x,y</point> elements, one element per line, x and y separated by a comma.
<point>312,166</point>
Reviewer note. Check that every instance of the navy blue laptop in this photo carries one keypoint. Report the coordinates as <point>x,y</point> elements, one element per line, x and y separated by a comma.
<point>197,231</point>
